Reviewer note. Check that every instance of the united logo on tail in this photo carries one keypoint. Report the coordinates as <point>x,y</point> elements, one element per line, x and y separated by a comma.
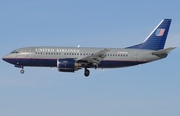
<point>160,32</point>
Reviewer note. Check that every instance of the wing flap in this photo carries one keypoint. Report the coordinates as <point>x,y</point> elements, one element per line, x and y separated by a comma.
<point>94,58</point>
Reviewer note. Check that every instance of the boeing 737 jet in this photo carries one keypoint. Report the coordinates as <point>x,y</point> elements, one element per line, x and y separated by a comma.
<point>71,59</point>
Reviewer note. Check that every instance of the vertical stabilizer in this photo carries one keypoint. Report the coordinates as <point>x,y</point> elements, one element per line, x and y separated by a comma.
<point>157,38</point>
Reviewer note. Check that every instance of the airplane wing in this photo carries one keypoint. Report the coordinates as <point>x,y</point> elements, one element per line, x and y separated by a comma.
<point>94,58</point>
<point>163,51</point>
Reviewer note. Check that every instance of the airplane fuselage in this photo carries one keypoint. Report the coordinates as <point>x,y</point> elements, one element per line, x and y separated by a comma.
<point>48,56</point>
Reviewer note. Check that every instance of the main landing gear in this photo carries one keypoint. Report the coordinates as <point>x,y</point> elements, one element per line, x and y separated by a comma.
<point>86,72</point>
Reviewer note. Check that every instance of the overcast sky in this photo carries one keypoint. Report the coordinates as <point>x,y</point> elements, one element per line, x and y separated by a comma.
<point>146,90</point>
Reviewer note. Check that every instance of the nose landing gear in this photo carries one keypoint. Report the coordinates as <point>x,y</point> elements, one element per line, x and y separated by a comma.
<point>22,68</point>
<point>22,71</point>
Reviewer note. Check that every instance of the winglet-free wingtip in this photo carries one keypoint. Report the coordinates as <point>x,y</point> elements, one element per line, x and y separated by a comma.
<point>172,48</point>
<point>163,51</point>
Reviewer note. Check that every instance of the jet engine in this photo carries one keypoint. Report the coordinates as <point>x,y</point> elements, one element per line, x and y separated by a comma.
<point>67,65</point>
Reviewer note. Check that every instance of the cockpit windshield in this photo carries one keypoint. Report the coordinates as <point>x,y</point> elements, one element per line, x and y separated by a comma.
<point>15,51</point>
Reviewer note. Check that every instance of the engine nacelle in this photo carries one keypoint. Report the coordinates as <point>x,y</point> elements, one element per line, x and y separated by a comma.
<point>67,65</point>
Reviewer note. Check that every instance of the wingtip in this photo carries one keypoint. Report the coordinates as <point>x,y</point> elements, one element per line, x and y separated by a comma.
<point>174,47</point>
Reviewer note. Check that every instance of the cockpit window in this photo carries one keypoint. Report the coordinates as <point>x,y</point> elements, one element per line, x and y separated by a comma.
<point>15,51</point>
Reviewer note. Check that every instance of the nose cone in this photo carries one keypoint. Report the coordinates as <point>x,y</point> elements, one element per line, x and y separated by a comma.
<point>5,58</point>
<point>8,58</point>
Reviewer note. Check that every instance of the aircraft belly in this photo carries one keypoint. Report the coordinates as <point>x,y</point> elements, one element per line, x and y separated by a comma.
<point>103,64</point>
<point>116,64</point>
<point>42,62</point>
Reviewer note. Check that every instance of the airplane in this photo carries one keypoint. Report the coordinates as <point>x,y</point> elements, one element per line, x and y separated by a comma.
<point>71,59</point>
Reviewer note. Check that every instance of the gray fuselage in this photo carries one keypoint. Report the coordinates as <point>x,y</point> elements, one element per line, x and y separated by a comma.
<point>48,56</point>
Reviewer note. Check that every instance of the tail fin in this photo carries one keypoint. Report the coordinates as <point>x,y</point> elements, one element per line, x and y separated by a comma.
<point>157,38</point>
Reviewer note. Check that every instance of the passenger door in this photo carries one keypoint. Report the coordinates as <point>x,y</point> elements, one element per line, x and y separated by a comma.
<point>28,53</point>
<point>136,55</point>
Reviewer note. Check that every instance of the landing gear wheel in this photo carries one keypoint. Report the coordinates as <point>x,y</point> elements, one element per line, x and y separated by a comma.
<point>22,71</point>
<point>86,72</point>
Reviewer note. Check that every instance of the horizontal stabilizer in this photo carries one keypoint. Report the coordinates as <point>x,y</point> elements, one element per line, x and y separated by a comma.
<point>163,51</point>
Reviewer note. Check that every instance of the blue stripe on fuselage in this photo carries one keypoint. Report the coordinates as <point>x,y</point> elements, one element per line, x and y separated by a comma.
<point>53,63</point>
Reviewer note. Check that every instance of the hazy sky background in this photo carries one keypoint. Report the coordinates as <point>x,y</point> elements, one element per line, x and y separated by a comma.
<point>146,90</point>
